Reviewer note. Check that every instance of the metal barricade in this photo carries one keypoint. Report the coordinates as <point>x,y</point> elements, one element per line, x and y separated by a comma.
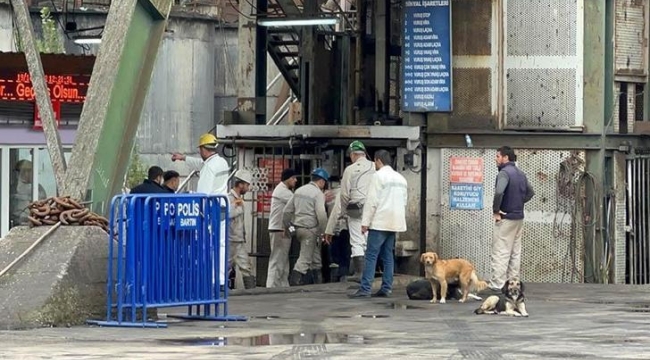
<point>166,250</point>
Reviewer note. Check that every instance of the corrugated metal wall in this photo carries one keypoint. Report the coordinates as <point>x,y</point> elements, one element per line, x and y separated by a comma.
<point>550,253</point>
<point>543,63</point>
<point>631,37</point>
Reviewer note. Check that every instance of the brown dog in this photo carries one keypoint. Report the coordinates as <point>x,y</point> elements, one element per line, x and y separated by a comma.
<point>443,271</point>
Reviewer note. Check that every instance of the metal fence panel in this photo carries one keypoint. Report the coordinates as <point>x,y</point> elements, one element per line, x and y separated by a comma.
<point>172,251</point>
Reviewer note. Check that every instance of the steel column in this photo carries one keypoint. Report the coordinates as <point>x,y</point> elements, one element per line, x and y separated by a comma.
<point>261,39</point>
<point>118,86</point>
<point>43,101</point>
<point>246,45</point>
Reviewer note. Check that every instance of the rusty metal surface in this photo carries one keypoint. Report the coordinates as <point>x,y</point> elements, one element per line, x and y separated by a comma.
<point>472,27</point>
<point>472,92</point>
<point>630,37</point>
<point>541,27</point>
<point>543,98</point>
<point>53,64</point>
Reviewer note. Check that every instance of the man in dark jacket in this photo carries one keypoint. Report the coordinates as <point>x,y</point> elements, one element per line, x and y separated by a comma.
<point>171,181</point>
<point>512,191</point>
<point>152,184</point>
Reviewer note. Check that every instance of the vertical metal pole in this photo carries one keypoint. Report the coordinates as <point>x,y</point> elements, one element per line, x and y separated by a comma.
<point>630,220</point>
<point>36,159</point>
<point>261,35</point>
<point>382,60</point>
<point>423,203</point>
<point>643,219</point>
<point>4,191</point>
<point>358,71</point>
<point>246,46</point>
<point>43,101</point>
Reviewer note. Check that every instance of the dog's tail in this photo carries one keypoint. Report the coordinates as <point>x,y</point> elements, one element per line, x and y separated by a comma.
<point>477,283</point>
<point>479,310</point>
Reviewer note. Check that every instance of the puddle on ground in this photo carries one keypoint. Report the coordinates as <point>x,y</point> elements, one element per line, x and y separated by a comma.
<point>400,306</point>
<point>266,317</point>
<point>270,340</point>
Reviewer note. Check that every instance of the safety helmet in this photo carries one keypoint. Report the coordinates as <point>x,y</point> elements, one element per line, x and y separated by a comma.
<point>208,140</point>
<point>357,145</point>
<point>321,173</point>
<point>244,175</point>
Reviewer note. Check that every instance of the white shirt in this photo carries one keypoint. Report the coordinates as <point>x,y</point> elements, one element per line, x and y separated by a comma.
<point>385,208</point>
<point>213,179</point>
<point>279,199</point>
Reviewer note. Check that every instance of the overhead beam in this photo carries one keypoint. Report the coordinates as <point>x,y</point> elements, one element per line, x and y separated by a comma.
<point>319,131</point>
<point>118,86</point>
<point>563,141</point>
<point>43,101</point>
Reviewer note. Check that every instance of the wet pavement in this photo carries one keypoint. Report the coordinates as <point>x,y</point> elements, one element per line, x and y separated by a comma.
<point>566,322</point>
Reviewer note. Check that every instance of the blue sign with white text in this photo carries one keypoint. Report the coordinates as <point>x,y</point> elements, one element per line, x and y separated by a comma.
<point>466,196</point>
<point>426,56</point>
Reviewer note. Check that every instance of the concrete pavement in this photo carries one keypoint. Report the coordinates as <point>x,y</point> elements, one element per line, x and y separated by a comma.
<point>320,322</point>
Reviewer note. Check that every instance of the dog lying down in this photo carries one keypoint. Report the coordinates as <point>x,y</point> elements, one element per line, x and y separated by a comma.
<point>442,272</point>
<point>512,303</point>
<point>421,290</point>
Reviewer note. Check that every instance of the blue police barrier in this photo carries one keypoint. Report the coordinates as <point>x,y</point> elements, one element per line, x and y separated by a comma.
<point>167,250</point>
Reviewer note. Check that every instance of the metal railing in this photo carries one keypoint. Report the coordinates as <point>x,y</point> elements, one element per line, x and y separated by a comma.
<point>172,251</point>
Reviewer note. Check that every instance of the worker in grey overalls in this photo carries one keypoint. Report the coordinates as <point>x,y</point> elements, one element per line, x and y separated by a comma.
<point>237,250</point>
<point>305,217</point>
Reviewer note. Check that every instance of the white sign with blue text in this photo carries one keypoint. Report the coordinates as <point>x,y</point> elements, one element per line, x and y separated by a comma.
<point>180,214</point>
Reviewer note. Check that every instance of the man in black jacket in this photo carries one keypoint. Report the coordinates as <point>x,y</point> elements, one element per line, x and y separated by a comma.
<point>512,191</point>
<point>171,181</point>
<point>152,184</point>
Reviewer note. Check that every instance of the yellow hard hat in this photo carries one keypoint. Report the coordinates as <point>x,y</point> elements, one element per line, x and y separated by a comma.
<point>208,140</point>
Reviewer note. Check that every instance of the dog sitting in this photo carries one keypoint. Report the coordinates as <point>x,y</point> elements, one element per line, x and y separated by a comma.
<point>442,272</point>
<point>512,303</point>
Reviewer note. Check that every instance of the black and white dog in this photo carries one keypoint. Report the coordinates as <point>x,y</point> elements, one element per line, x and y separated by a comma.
<point>511,303</point>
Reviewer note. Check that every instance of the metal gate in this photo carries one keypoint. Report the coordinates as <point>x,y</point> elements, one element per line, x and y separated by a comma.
<point>638,229</point>
<point>266,163</point>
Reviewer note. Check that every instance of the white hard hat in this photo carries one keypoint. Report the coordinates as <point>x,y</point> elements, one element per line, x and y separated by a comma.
<point>244,175</point>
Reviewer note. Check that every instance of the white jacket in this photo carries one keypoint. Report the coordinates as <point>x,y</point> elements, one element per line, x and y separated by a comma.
<point>279,199</point>
<point>385,207</point>
<point>355,182</point>
<point>213,179</point>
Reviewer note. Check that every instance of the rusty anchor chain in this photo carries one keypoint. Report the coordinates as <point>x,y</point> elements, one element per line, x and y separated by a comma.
<point>66,210</point>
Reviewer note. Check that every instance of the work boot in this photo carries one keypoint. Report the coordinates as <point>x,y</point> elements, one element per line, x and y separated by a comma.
<point>317,276</point>
<point>296,278</point>
<point>249,282</point>
<point>343,274</point>
<point>334,273</point>
<point>358,263</point>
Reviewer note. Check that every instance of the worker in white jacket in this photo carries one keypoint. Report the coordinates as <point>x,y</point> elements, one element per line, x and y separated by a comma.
<point>384,215</point>
<point>354,190</point>
<point>213,180</point>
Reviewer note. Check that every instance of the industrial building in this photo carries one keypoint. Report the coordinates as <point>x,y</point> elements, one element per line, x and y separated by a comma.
<point>441,84</point>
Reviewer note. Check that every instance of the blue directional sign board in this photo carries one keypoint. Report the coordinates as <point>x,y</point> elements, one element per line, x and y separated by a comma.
<point>426,56</point>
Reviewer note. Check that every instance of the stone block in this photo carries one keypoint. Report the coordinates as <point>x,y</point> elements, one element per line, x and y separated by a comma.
<point>61,282</point>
